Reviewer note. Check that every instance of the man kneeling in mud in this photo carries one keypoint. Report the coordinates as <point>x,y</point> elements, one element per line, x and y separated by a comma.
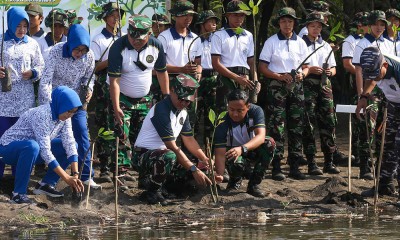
<point>241,137</point>
<point>159,158</point>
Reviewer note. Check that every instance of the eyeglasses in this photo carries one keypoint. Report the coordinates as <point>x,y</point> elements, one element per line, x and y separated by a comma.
<point>81,50</point>
<point>136,33</point>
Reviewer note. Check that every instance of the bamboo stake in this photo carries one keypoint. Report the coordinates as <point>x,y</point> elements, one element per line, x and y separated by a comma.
<point>90,177</point>
<point>349,167</point>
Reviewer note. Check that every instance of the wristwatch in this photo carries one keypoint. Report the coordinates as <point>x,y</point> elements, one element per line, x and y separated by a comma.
<point>244,150</point>
<point>74,174</point>
<point>193,168</point>
<point>366,96</point>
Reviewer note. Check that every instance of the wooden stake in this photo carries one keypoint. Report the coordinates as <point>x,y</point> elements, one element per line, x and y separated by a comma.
<point>380,158</point>
<point>116,179</point>
<point>349,168</point>
<point>90,176</point>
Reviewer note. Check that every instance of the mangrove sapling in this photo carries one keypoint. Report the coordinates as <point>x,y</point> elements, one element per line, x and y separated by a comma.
<point>6,80</point>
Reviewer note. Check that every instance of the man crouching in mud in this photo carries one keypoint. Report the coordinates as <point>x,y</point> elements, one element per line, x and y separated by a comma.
<point>159,158</point>
<point>241,137</point>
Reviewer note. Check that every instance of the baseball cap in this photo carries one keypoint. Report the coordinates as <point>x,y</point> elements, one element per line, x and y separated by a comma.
<point>233,7</point>
<point>185,86</point>
<point>205,15</point>
<point>371,60</point>
<point>182,8</point>
<point>139,26</point>
<point>34,9</point>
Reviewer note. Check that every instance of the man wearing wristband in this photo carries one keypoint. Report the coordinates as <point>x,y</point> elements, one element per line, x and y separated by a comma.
<point>383,71</point>
<point>241,137</point>
<point>158,155</point>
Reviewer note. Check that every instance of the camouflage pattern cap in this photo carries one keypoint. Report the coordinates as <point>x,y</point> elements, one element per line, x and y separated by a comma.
<point>320,6</point>
<point>316,17</point>
<point>377,15</point>
<point>72,18</point>
<point>392,12</point>
<point>185,86</point>
<point>161,19</point>
<point>233,7</point>
<point>360,18</point>
<point>205,15</point>
<point>286,11</point>
<point>34,9</point>
<point>139,26</point>
<point>182,8</point>
<point>59,17</point>
<point>107,10</point>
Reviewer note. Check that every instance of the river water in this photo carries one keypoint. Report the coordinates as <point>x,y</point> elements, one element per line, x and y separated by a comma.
<point>273,227</point>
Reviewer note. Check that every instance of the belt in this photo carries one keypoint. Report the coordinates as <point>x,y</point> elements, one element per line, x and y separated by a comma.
<point>239,70</point>
<point>208,73</point>
<point>140,150</point>
<point>134,101</point>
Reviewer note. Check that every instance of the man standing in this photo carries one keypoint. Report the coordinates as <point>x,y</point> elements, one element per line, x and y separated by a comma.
<point>130,63</point>
<point>232,55</point>
<point>35,13</point>
<point>159,155</point>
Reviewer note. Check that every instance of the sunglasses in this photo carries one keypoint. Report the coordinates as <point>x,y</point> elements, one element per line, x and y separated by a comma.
<point>136,33</point>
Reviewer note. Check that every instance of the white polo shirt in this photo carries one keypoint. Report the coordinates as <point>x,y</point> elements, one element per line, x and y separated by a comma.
<point>163,123</point>
<point>176,47</point>
<point>100,43</point>
<point>206,52</point>
<point>123,62</point>
<point>233,49</point>
<point>383,44</point>
<point>349,45</point>
<point>282,55</point>
<point>303,32</point>
<point>390,82</point>
<point>395,43</point>
<point>319,57</point>
<point>46,44</point>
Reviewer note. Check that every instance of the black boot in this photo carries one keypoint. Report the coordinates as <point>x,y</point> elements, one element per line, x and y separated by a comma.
<point>313,168</point>
<point>329,167</point>
<point>365,170</point>
<point>302,161</point>
<point>277,174</point>
<point>153,195</point>
<point>294,171</point>
<point>253,187</point>
<point>234,183</point>
<point>340,158</point>
<point>386,187</point>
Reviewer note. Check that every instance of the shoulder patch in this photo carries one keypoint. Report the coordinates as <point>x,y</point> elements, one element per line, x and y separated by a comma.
<point>181,121</point>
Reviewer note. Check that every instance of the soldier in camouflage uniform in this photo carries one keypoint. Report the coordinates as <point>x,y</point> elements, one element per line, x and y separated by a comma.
<point>241,137</point>
<point>318,98</point>
<point>160,24</point>
<point>100,46</point>
<point>158,154</point>
<point>383,70</point>
<point>281,55</point>
<point>207,22</point>
<point>232,55</point>
<point>130,82</point>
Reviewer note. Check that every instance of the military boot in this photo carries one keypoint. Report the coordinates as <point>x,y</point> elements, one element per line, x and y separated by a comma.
<point>340,158</point>
<point>365,170</point>
<point>277,174</point>
<point>253,188</point>
<point>313,168</point>
<point>234,183</point>
<point>153,195</point>
<point>386,187</point>
<point>294,171</point>
<point>329,167</point>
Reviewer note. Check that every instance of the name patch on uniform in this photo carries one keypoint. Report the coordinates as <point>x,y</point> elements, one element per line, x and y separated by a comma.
<point>149,58</point>
<point>181,120</point>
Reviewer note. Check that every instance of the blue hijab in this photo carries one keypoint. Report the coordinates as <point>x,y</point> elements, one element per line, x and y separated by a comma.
<point>14,17</point>
<point>77,35</point>
<point>63,99</point>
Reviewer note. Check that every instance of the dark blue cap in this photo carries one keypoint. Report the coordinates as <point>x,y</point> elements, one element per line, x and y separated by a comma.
<point>371,61</point>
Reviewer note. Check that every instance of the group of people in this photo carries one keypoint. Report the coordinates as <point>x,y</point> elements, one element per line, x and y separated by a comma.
<point>157,83</point>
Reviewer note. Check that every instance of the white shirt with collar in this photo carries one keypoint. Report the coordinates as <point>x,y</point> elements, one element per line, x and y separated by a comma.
<point>349,45</point>
<point>233,49</point>
<point>101,44</point>
<point>176,47</point>
<point>282,55</point>
<point>320,56</point>
<point>206,62</point>
<point>303,32</point>
<point>46,44</point>
<point>383,44</point>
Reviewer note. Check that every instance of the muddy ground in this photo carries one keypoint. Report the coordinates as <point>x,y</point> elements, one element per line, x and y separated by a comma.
<point>326,194</point>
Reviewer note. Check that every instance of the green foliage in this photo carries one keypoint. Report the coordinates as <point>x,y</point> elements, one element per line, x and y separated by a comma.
<point>34,219</point>
<point>333,35</point>
<point>216,5</point>
<point>212,115</point>
<point>106,135</point>
<point>94,10</point>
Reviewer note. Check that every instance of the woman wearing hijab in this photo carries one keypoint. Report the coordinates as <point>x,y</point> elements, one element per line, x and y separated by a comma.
<point>33,139</point>
<point>71,64</point>
<point>24,63</point>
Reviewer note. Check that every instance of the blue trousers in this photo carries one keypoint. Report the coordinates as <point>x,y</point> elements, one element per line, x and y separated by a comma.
<point>81,135</point>
<point>25,154</point>
<point>6,123</point>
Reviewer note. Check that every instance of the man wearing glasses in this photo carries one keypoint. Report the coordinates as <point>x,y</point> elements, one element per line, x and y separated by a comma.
<point>71,64</point>
<point>130,63</point>
<point>159,157</point>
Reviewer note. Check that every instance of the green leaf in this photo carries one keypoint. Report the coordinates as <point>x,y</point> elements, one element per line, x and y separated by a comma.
<point>107,133</point>
<point>251,3</point>
<point>211,116</point>
<point>108,138</point>
<point>8,7</point>
<point>339,36</point>
<point>243,6</point>
<point>222,115</point>
<point>238,30</point>
<point>333,38</point>
<point>100,131</point>
<point>259,1</point>
<point>218,6</point>
<point>336,28</point>
<point>255,10</point>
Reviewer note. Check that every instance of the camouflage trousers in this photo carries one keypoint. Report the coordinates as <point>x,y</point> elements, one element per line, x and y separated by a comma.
<point>285,102</point>
<point>102,119</point>
<point>207,95</point>
<point>262,157</point>
<point>391,157</point>
<point>224,87</point>
<point>319,111</point>
<point>135,110</point>
<point>155,90</point>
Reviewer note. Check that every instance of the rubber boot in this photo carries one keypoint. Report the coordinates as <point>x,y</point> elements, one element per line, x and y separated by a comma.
<point>329,167</point>
<point>277,174</point>
<point>294,171</point>
<point>365,170</point>
<point>313,168</point>
<point>253,188</point>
